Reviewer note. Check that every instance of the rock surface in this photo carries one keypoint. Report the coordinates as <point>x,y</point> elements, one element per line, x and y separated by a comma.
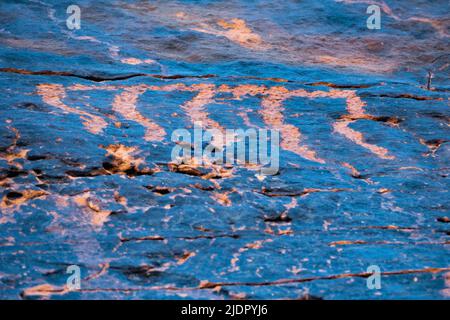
<point>86,120</point>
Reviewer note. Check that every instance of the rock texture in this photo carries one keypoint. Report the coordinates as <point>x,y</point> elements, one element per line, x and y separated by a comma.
<point>86,178</point>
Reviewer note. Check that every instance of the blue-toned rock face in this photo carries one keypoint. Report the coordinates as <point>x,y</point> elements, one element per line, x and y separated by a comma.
<point>88,111</point>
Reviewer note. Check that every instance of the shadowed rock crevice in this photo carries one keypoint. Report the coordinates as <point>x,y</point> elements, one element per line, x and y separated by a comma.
<point>102,78</point>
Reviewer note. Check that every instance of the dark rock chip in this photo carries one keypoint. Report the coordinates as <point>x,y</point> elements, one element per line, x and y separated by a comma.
<point>443,219</point>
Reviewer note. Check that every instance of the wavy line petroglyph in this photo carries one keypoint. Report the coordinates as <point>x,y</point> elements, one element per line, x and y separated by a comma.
<point>195,108</point>
<point>355,108</point>
<point>291,137</point>
<point>125,104</point>
<point>53,94</point>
